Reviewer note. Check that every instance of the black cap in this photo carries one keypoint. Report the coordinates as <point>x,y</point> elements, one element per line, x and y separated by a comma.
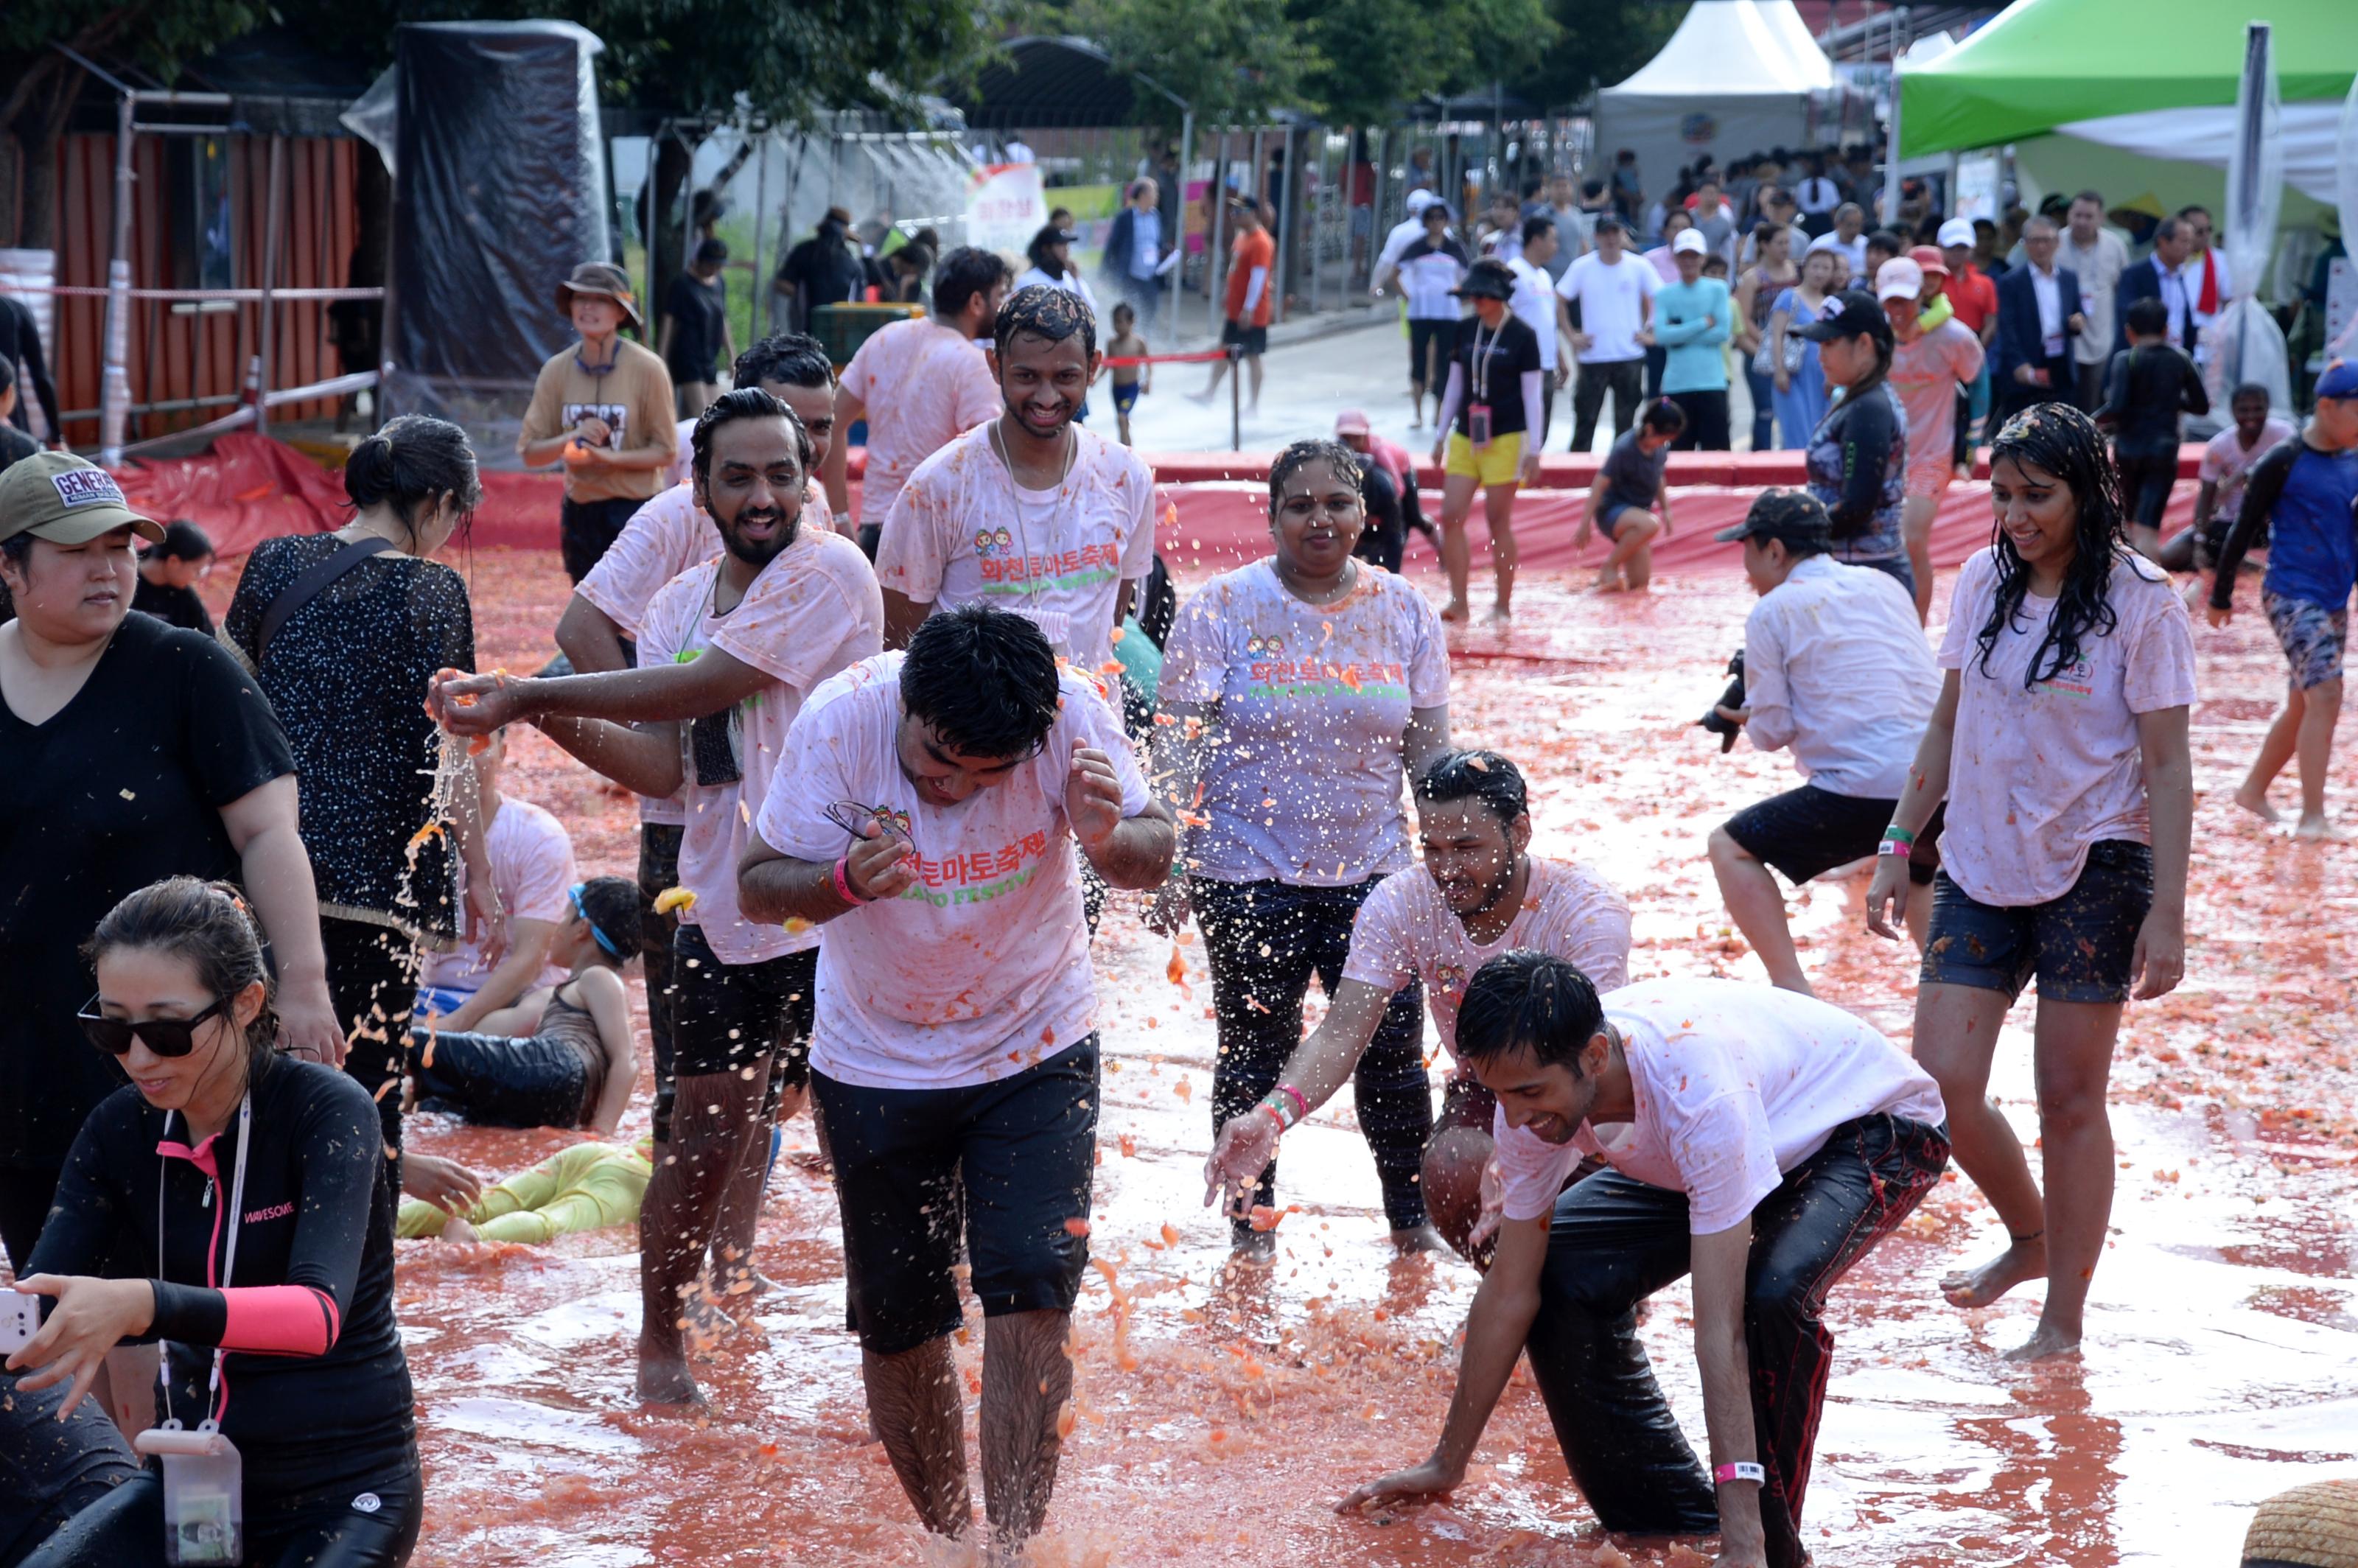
<point>1794,516</point>
<point>1488,277</point>
<point>1850,312</point>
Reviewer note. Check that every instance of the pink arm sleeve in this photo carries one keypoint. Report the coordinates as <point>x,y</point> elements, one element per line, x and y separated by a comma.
<point>279,1320</point>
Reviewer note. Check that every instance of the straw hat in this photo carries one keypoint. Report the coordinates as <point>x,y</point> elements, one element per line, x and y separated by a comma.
<point>2310,1527</point>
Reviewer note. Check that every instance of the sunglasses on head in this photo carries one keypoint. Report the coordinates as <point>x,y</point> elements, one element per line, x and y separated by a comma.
<point>163,1036</point>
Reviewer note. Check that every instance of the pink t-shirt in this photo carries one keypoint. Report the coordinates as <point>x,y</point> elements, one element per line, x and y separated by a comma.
<point>532,867</point>
<point>2227,464</point>
<point>2036,776</point>
<point>814,611</point>
<point>1308,708</point>
<point>981,968</point>
<point>1925,374</point>
<point>964,533</point>
<point>923,385</point>
<point>1735,1085</point>
<point>1406,932</point>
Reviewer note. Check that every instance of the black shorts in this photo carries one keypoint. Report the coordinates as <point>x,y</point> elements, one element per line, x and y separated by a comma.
<point>1014,1157</point>
<point>2083,946</point>
<point>730,1016</point>
<point>586,530</point>
<point>1251,340</point>
<point>493,1080</point>
<point>1809,831</point>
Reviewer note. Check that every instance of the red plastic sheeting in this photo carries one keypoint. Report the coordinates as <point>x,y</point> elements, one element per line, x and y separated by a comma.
<point>247,489</point>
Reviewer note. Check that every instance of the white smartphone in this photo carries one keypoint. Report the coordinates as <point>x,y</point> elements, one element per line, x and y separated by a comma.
<point>20,1319</point>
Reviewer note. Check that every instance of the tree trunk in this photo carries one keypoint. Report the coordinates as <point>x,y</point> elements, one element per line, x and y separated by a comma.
<point>31,122</point>
<point>674,162</point>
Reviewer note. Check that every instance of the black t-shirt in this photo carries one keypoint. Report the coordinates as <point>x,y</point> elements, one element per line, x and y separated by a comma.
<point>15,446</point>
<point>698,312</point>
<point>822,275</point>
<point>318,1214</point>
<point>173,606</point>
<point>1497,380</point>
<point>348,674</point>
<point>122,787</point>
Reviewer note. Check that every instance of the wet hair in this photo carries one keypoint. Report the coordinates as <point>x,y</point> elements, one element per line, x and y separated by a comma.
<point>7,373</point>
<point>743,403</point>
<point>965,272</point>
<point>712,252</point>
<point>182,541</point>
<point>414,461</point>
<point>611,905</point>
<point>1663,417</point>
<point>1537,224</point>
<point>1484,776</point>
<point>984,679</point>
<point>1532,1001</point>
<point>210,925</point>
<point>2148,317</point>
<point>2060,439</point>
<point>1302,454</point>
<point>789,359</point>
<point>1055,314</point>
<point>2243,389</point>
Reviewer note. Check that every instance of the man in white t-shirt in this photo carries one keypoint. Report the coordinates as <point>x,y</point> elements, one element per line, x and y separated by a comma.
<point>1837,671</point>
<point>1478,893</point>
<point>918,383</point>
<point>1405,232</point>
<point>729,652</point>
<point>1614,292</point>
<point>1031,512</point>
<point>1761,1138</point>
<point>926,811</point>
<point>1534,304</point>
<point>532,867</point>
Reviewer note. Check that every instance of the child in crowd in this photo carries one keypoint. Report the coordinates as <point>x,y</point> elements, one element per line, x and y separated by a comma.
<point>1630,503</point>
<point>1130,382</point>
<point>2150,384</point>
<point>168,574</point>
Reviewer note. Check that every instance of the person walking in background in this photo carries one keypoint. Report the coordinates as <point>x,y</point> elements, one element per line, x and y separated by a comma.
<point>1858,456</point>
<point>1692,322</point>
<point>696,330</point>
<point>2151,385</point>
<point>170,571</point>
<point>1534,306</point>
<point>605,410</point>
<point>1763,283</point>
<point>1928,366</point>
<point>1251,282</point>
<point>1138,252</point>
<point>1973,296</point>
<point>2039,316</point>
<point>1491,412</point>
<point>822,270</point>
<point>1608,303</point>
<point>1429,268</point>
<point>1797,380</point>
<point>2095,255</point>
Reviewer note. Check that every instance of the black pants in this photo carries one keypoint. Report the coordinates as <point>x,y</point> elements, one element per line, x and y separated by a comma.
<point>1615,1242</point>
<point>2145,485</point>
<point>373,980</point>
<point>1706,428</point>
<point>1625,379</point>
<point>1657,360</point>
<point>497,1080</point>
<point>125,1528</point>
<point>1264,941</point>
<point>658,870</point>
<point>52,1470</point>
<point>586,530</point>
<point>1428,351</point>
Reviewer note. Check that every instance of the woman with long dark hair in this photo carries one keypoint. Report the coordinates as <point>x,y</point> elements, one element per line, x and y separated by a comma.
<point>1858,456</point>
<point>236,1206</point>
<point>344,632</point>
<point>2059,743</point>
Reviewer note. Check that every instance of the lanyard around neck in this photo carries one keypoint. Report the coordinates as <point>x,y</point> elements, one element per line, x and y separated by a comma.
<point>229,1266</point>
<point>1482,360</point>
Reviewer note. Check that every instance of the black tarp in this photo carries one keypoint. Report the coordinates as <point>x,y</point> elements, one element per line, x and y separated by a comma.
<point>501,191</point>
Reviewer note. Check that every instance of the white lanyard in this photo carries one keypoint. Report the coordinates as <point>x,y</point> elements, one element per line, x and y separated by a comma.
<point>229,1266</point>
<point>1481,366</point>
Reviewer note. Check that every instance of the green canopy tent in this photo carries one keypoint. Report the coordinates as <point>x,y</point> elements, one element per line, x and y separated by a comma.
<point>2044,63</point>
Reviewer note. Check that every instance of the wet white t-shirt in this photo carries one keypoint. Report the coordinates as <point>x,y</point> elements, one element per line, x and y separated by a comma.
<point>531,868</point>
<point>1301,766</point>
<point>980,969</point>
<point>2036,776</point>
<point>1735,1085</point>
<point>922,384</point>
<point>963,532</point>
<point>1406,932</point>
<point>814,611</point>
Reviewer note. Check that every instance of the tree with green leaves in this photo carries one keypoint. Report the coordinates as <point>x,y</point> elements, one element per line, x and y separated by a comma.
<point>1595,44</point>
<point>1375,56</point>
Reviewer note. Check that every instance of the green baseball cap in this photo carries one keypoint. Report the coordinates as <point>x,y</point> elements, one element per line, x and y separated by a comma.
<point>66,500</point>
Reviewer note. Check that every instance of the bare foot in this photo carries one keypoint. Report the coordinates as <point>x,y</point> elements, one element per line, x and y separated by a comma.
<point>2045,1341</point>
<point>2025,1259</point>
<point>1419,1239</point>
<point>663,1377</point>
<point>1455,610</point>
<point>2255,801</point>
<point>1606,585</point>
<point>1501,615</point>
<point>2316,829</point>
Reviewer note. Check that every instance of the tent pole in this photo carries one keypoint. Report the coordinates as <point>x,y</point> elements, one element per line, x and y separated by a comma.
<point>1175,220</point>
<point>1891,150</point>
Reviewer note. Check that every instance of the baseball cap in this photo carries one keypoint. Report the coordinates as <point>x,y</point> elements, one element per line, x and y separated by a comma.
<point>603,281</point>
<point>1690,241</point>
<point>66,500</point>
<point>1929,259</point>
<point>1899,279</point>
<point>2340,380</point>
<point>1488,277</point>
<point>1853,311</point>
<point>1957,232</point>
<point>1417,201</point>
<point>1795,517</point>
<point>1352,422</point>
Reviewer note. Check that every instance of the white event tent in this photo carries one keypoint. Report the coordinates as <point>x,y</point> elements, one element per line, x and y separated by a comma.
<point>1739,77</point>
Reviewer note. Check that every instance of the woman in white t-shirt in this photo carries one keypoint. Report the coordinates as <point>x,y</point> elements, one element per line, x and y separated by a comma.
<point>1299,692</point>
<point>2059,740</point>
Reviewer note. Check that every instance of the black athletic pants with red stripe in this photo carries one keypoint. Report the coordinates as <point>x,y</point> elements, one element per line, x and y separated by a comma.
<point>1615,1242</point>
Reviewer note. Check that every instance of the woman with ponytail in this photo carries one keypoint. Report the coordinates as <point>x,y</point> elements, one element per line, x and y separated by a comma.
<point>2060,742</point>
<point>234,1204</point>
<point>345,632</point>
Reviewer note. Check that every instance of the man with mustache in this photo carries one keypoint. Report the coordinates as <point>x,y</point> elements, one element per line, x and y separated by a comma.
<point>728,652</point>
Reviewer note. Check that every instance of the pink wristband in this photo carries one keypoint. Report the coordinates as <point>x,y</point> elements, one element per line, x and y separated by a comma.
<point>843,883</point>
<point>1301,1106</point>
<point>1740,1470</point>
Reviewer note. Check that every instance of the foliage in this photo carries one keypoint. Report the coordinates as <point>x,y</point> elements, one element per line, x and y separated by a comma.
<point>1376,54</point>
<point>1229,60</point>
<point>1596,43</point>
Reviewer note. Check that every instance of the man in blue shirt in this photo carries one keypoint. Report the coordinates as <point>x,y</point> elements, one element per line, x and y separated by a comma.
<point>2304,496</point>
<point>1691,320</point>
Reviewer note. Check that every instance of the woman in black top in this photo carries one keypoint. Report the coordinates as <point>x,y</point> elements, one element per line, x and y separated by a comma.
<point>347,669</point>
<point>1496,394</point>
<point>236,1207</point>
<point>131,750</point>
<point>169,575</point>
<point>1858,456</point>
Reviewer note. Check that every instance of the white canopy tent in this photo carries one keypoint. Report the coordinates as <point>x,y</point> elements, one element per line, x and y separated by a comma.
<point>1739,77</point>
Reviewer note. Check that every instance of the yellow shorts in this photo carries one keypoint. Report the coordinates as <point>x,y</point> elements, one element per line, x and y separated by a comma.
<point>1496,464</point>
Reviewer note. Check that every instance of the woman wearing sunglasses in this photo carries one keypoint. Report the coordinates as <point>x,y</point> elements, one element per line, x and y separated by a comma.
<point>235,1204</point>
<point>559,1057</point>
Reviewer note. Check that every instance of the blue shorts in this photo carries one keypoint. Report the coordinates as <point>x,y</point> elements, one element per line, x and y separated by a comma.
<point>1609,516</point>
<point>2311,636</point>
<point>2083,946</point>
<point>1125,398</point>
<point>440,1001</point>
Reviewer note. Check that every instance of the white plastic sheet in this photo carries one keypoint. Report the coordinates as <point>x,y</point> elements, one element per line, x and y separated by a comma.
<point>2245,344</point>
<point>2346,201</point>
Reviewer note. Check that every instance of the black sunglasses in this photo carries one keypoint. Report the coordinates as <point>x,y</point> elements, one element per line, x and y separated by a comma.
<point>163,1036</point>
